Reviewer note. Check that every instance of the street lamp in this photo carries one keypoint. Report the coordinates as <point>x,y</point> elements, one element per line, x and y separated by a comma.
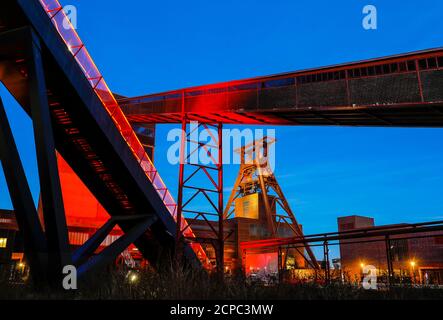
<point>133,278</point>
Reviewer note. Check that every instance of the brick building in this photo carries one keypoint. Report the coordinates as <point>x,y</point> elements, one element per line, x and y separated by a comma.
<point>416,255</point>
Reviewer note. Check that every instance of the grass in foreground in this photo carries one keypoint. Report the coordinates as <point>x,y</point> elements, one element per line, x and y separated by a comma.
<point>195,285</point>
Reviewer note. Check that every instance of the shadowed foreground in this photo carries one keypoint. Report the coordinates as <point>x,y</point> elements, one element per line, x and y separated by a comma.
<point>193,285</point>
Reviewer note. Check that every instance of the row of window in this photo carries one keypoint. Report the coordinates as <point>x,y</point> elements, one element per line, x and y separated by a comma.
<point>381,69</point>
<point>324,76</point>
<point>430,63</point>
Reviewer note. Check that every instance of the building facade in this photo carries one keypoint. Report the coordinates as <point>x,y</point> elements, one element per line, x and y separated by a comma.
<point>417,256</point>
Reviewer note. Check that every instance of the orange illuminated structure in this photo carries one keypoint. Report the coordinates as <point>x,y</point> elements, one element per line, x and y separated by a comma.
<point>257,195</point>
<point>81,207</point>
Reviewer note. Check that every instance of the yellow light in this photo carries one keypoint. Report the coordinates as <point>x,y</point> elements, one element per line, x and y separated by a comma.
<point>362,264</point>
<point>412,263</point>
<point>133,278</point>
<point>21,265</point>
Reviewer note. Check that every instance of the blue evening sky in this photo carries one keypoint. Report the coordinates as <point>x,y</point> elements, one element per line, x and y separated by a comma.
<point>394,175</point>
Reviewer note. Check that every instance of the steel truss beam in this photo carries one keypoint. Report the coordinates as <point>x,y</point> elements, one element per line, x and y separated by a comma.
<point>92,244</point>
<point>47,249</point>
<point>206,192</point>
<point>111,252</point>
<point>50,189</point>
<point>333,95</point>
<point>326,262</point>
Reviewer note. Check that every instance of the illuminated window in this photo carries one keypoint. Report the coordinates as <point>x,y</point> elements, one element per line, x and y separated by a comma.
<point>3,242</point>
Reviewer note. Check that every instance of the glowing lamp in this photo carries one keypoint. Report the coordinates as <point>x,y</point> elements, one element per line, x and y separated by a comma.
<point>133,278</point>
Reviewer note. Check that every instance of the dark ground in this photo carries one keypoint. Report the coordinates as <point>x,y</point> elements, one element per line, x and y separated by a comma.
<point>194,285</point>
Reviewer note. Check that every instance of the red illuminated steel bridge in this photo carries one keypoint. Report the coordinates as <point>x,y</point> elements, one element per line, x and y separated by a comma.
<point>48,70</point>
<point>403,91</point>
<point>46,67</point>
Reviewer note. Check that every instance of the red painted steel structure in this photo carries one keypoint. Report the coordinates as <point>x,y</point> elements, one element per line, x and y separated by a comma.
<point>203,199</point>
<point>77,48</point>
<point>402,90</point>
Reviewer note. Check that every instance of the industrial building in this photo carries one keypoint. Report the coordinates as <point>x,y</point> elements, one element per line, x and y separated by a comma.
<point>417,255</point>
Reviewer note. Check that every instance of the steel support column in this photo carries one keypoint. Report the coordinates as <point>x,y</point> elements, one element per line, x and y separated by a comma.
<point>326,261</point>
<point>50,189</point>
<point>178,235</point>
<point>204,183</point>
<point>21,198</point>
<point>220,241</point>
<point>389,260</point>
